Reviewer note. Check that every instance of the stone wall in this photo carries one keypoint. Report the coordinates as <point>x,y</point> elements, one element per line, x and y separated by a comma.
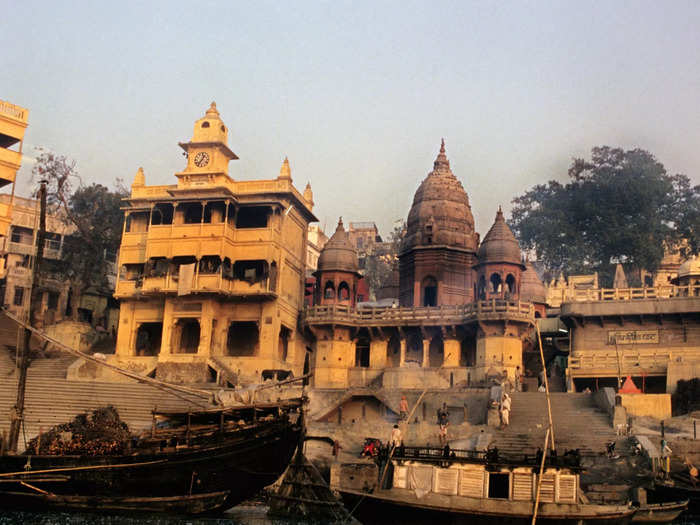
<point>657,406</point>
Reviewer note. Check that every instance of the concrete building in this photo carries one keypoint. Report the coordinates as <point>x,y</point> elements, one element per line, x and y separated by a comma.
<point>13,124</point>
<point>212,269</point>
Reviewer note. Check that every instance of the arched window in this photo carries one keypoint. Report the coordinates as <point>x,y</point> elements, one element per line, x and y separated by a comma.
<point>329,291</point>
<point>430,291</point>
<point>343,291</point>
<point>510,284</point>
<point>496,283</point>
<point>481,294</point>
<point>205,124</point>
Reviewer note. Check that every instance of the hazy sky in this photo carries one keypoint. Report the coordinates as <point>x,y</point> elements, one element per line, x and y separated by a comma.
<point>357,94</point>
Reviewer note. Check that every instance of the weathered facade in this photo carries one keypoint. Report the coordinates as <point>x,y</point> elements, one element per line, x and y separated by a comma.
<point>13,124</point>
<point>212,269</point>
<point>443,331</point>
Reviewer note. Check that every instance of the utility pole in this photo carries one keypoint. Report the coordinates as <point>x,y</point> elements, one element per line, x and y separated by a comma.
<point>17,414</point>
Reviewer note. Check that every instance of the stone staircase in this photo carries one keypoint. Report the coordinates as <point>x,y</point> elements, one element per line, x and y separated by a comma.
<point>578,423</point>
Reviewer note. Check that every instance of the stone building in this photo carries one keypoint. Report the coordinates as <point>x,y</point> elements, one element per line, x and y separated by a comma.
<point>444,331</point>
<point>13,124</point>
<point>212,269</point>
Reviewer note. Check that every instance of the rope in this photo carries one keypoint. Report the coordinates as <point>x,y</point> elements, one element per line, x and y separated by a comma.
<point>153,382</point>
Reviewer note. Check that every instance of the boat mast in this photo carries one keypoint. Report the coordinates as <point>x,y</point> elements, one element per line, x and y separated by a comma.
<point>24,349</point>
<point>546,388</point>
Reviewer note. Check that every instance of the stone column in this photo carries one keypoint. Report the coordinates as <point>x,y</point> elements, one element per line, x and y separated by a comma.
<point>377,353</point>
<point>402,355</point>
<point>426,353</point>
<point>451,352</point>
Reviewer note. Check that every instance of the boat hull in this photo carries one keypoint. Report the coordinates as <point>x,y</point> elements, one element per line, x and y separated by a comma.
<point>215,476</point>
<point>401,507</point>
<point>660,512</point>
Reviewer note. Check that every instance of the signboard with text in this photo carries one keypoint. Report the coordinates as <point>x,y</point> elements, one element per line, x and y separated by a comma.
<point>630,337</point>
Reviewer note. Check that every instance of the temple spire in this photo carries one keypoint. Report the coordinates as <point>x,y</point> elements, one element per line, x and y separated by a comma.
<point>441,163</point>
<point>285,170</point>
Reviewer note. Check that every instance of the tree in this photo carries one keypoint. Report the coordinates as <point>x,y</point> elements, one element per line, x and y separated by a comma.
<point>379,265</point>
<point>620,206</point>
<point>93,214</point>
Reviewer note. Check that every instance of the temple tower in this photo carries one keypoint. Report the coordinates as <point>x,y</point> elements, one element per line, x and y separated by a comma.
<point>439,251</point>
<point>338,270</point>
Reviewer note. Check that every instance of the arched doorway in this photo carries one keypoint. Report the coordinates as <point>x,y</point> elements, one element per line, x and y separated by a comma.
<point>430,291</point>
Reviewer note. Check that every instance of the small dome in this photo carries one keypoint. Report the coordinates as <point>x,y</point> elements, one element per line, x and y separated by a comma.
<point>499,245</point>
<point>339,254</point>
<point>440,214</point>
<point>690,268</point>
<point>531,288</point>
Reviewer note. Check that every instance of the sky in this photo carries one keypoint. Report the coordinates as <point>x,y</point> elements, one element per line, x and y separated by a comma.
<point>357,94</point>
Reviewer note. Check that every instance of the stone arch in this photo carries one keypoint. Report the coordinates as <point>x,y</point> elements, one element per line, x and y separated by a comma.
<point>343,292</point>
<point>414,349</point>
<point>186,336</point>
<point>429,291</point>
<point>510,284</point>
<point>148,337</point>
<point>329,290</point>
<point>481,290</point>
<point>495,283</point>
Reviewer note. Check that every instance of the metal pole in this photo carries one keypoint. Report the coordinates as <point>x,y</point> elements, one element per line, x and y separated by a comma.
<point>539,477</point>
<point>24,353</point>
<point>546,386</point>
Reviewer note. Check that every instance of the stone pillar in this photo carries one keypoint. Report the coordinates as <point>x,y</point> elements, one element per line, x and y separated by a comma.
<point>452,349</point>
<point>426,353</point>
<point>377,353</point>
<point>402,355</point>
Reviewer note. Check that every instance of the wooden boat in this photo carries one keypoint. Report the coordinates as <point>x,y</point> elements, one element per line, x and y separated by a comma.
<point>466,487</point>
<point>199,462</point>
<point>660,512</point>
<point>680,486</point>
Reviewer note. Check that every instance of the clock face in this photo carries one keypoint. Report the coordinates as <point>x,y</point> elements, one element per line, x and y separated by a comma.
<point>201,159</point>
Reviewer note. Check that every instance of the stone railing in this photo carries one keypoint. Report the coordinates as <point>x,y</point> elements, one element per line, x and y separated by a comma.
<point>419,315</point>
<point>629,294</point>
<point>13,111</point>
<point>627,362</point>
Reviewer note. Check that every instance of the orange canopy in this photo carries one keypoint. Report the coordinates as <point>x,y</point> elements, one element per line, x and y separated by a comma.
<point>629,387</point>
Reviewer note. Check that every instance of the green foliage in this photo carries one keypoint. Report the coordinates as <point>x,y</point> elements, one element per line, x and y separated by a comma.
<point>93,219</point>
<point>379,265</point>
<point>620,206</point>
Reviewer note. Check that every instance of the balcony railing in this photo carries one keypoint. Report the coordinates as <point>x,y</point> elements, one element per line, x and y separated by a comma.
<point>630,294</point>
<point>419,315</point>
<point>628,362</point>
<point>202,283</point>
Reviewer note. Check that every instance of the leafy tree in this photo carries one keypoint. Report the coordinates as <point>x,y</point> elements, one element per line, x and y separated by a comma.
<point>93,214</point>
<point>380,264</point>
<point>620,206</point>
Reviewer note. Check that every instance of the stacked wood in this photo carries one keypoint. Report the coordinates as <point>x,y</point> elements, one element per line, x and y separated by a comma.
<point>100,433</point>
<point>304,496</point>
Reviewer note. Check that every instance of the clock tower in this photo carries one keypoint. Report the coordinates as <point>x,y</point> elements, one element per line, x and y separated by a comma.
<point>207,153</point>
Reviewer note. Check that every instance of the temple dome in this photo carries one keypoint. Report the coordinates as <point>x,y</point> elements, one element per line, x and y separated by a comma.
<point>339,254</point>
<point>499,244</point>
<point>531,288</point>
<point>440,215</point>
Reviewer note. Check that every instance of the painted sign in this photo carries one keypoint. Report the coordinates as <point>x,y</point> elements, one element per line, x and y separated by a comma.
<point>630,337</point>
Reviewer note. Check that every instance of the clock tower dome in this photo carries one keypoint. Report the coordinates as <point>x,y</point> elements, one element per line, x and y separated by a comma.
<point>207,153</point>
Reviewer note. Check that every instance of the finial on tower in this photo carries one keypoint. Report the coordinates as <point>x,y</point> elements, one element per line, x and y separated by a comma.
<point>309,195</point>
<point>139,178</point>
<point>212,111</point>
<point>442,145</point>
<point>285,170</point>
<point>441,162</point>
<point>340,227</point>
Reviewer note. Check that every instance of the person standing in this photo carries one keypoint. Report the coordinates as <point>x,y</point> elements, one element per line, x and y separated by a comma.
<point>396,438</point>
<point>403,409</point>
<point>443,414</point>
<point>666,458</point>
<point>518,379</point>
<point>505,411</point>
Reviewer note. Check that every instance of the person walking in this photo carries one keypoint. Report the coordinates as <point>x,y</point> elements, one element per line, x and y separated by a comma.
<point>505,411</point>
<point>396,438</point>
<point>518,379</point>
<point>443,415</point>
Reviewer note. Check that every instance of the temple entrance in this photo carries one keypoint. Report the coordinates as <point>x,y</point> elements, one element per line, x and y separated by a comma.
<point>362,352</point>
<point>429,291</point>
<point>467,352</point>
<point>242,338</point>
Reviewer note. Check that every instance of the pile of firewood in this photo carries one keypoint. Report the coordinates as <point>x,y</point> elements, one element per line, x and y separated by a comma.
<point>100,433</point>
